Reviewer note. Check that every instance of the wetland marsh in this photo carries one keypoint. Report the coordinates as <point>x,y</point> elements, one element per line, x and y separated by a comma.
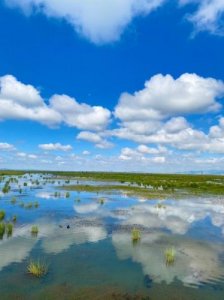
<point>111,236</point>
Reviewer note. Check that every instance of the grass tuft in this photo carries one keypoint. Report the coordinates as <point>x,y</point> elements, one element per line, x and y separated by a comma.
<point>136,234</point>
<point>37,268</point>
<point>170,256</point>
<point>2,230</point>
<point>2,215</point>
<point>34,230</point>
<point>9,229</point>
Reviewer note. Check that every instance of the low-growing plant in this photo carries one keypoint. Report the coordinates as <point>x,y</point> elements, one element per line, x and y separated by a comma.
<point>34,230</point>
<point>36,204</point>
<point>13,200</point>
<point>14,218</point>
<point>2,230</point>
<point>160,205</point>
<point>37,268</point>
<point>170,256</point>
<point>9,229</point>
<point>67,195</point>
<point>29,205</point>
<point>136,234</point>
<point>2,215</point>
<point>101,201</point>
<point>21,204</point>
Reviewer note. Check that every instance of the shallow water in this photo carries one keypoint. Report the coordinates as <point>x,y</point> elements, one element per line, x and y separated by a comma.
<point>95,257</point>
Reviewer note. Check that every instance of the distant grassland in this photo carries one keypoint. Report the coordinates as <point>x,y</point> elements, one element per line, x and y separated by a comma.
<point>151,183</point>
<point>140,182</point>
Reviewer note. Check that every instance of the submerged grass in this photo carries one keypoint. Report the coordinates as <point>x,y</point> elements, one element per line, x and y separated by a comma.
<point>135,234</point>
<point>2,215</point>
<point>34,230</point>
<point>2,230</point>
<point>37,268</point>
<point>9,229</point>
<point>170,256</point>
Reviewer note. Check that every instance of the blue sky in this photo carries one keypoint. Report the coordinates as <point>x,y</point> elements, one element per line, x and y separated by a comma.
<point>133,85</point>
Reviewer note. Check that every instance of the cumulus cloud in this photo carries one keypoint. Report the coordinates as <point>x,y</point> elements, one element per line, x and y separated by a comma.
<point>23,102</point>
<point>6,147</point>
<point>151,150</point>
<point>164,96</point>
<point>139,153</point>
<point>208,15</point>
<point>55,147</point>
<point>95,138</point>
<point>99,21</point>
<point>155,115</point>
<point>82,116</point>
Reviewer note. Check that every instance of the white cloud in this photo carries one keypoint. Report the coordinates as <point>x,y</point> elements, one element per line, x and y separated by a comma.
<point>55,147</point>
<point>24,155</point>
<point>6,147</point>
<point>23,102</point>
<point>94,138</point>
<point>86,152</point>
<point>139,154</point>
<point>82,116</point>
<point>208,15</point>
<point>98,20</point>
<point>147,150</point>
<point>159,159</point>
<point>154,115</point>
<point>164,96</point>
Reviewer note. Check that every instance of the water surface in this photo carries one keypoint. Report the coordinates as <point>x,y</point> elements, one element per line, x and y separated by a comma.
<point>95,257</point>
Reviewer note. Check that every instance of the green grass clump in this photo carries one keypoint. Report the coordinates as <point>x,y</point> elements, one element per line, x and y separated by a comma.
<point>29,205</point>
<point>101,201</point>
<point>135,234</point>
<point>9,229</point>
<point>160,205</point>
<point>37,268</point>
<point>21,204</point>
<point>170,256</point>
<point>13,200</point>
<point>14,218</point>
<point>34,230</point>
<point>2,230</point>
<point>67,195</point>
<point>36,204</point>
<point>2,215</point>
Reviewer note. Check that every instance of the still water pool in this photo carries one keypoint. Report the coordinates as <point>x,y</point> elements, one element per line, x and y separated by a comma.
<point>88,245</point>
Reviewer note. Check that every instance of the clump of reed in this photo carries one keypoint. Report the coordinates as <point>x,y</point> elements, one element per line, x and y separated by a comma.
<point>2,215</point>
<point>29,205</point>
<point>160,205</point>
<point>9,229</point>
<point>36,204</point>
<point>37,268</point>
<point>13,200</point>
<point>170,255</point>
<point>101,201</point>
<point>34,230</point>
<point>21,204</point>
<point>2,230</point>
<point>14,218</point>
<point>67,195</point>
<point>135,234</point>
